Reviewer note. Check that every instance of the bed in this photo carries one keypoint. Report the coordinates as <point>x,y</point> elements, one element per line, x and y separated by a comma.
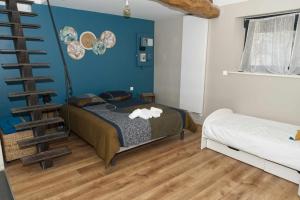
<point>98,127</point>
<point>265,144</point>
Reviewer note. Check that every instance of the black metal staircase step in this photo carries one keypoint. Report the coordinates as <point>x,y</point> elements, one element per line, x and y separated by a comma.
<point>22,2</point>
<point>28,38</point>
<point>21,79</point>
<point>22,13</point>
<point>18,65</point>
<point>42,139</point>
<point>29,93</point>
<point>45,107</point>
<point>14,51</point>
<point>46,155</point>
<point>38,123</point>
<point>9,24</point>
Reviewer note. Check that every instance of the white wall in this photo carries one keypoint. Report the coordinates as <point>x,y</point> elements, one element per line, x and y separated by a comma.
<point>268,97</point>
<point>167,53</point>
<point>193,61</point>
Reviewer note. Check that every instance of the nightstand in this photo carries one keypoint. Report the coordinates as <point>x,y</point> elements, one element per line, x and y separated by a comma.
<point>148,97</point>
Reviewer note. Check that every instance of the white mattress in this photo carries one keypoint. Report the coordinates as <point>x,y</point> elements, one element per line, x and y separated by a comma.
<point>263,138</point>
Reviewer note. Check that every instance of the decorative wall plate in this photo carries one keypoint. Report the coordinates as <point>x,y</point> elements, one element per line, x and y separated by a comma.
<point>75,50</point>
<point>108,38</point>
<point>68,34</point>
<point>87,40</point>
<point>99,47</point>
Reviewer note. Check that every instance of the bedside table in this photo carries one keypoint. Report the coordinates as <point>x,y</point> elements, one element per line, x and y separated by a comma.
<point>148,97</point>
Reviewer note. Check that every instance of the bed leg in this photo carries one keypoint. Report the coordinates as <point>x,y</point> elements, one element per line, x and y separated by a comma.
<point>182,135</point>
<point>113,161</point>
<point>203,143</point>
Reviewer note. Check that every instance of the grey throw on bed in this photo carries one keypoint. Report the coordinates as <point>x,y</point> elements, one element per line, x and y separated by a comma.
<point>131,132</point>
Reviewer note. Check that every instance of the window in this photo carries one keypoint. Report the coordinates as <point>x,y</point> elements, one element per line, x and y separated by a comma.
<point>272,45</point>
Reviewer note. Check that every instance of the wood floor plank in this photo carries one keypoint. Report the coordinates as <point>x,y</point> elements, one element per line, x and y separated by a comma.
<point>109,179</point>
<point>228,182</point>
<point>169,170</point>
<point>142,180</point>
<point>195,175</point>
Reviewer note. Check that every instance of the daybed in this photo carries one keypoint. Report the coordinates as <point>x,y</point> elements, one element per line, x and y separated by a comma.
<point>265,144</point>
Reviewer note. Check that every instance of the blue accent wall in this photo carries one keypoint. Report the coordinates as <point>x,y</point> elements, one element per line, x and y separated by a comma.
<point>116,69</point>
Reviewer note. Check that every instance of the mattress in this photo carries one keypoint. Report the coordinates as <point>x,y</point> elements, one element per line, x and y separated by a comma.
<point>267,139</point>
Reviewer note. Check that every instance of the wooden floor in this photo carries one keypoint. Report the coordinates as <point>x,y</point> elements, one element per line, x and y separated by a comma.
<point>171,169</point>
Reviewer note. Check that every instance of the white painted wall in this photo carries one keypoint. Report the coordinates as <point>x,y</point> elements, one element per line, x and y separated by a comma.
<point>193,61</point>
<point>180,57</point>
<point>167,64</point>
<point>268,97</point>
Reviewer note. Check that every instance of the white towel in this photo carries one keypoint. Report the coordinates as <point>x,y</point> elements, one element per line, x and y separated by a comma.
<point>136,113</point>
<point>146,113</point>
<point>157,110</point>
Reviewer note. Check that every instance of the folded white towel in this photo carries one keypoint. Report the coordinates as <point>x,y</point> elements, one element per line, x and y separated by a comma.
<point>156,110</point>
<point>146,113</point>
<point>155,115</point>
<point>136,113</point>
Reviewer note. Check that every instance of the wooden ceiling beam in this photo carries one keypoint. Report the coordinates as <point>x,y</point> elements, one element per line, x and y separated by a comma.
<point>200,8</point>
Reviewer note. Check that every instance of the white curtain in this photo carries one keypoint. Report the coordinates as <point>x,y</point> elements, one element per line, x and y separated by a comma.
<point>295,61</point>
<point>269,45</point>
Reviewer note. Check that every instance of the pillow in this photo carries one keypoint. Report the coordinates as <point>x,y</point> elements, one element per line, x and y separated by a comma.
<point>86,100</point>
<point>116,95</point>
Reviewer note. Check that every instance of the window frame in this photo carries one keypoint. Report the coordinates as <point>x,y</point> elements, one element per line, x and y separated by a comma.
<point>247,21</point>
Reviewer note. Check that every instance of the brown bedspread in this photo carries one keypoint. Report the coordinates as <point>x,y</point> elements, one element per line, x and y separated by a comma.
<point>104,137</point>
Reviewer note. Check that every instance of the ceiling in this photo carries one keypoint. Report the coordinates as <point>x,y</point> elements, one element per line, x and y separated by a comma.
<point>227,2</point>
<point>145,9</point>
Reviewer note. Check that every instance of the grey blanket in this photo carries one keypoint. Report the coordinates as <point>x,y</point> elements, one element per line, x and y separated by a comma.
<point>130,132</point>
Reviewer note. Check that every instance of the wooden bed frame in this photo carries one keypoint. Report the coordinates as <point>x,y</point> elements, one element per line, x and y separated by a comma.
<point>266,165</point>
<point>132,148</point>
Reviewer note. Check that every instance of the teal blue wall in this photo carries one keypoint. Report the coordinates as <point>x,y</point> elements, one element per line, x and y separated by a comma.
<point>116,69</point>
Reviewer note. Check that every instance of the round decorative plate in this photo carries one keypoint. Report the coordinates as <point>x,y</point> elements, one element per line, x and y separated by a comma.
<point>99,47</point>
<point>108,38</point>
<point>68,34</point>
<point>87,40</point>
<point>75,50</point>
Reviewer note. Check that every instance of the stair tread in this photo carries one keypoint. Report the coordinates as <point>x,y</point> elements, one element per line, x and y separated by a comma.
<point>38,123</point>
<point>46,155</point>
<point>24,25</point>
<point>12,37</point>
<point>28,93</point>
<point>22,1</point>
<point>17,65</point>
<point>12,51</point>
<point>35,108</point>
<point>22,13</point>
<point>35,78</point>
<point>42,139</point>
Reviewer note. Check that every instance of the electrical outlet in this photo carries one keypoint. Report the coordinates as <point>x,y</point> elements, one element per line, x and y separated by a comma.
<point>131,88</point>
